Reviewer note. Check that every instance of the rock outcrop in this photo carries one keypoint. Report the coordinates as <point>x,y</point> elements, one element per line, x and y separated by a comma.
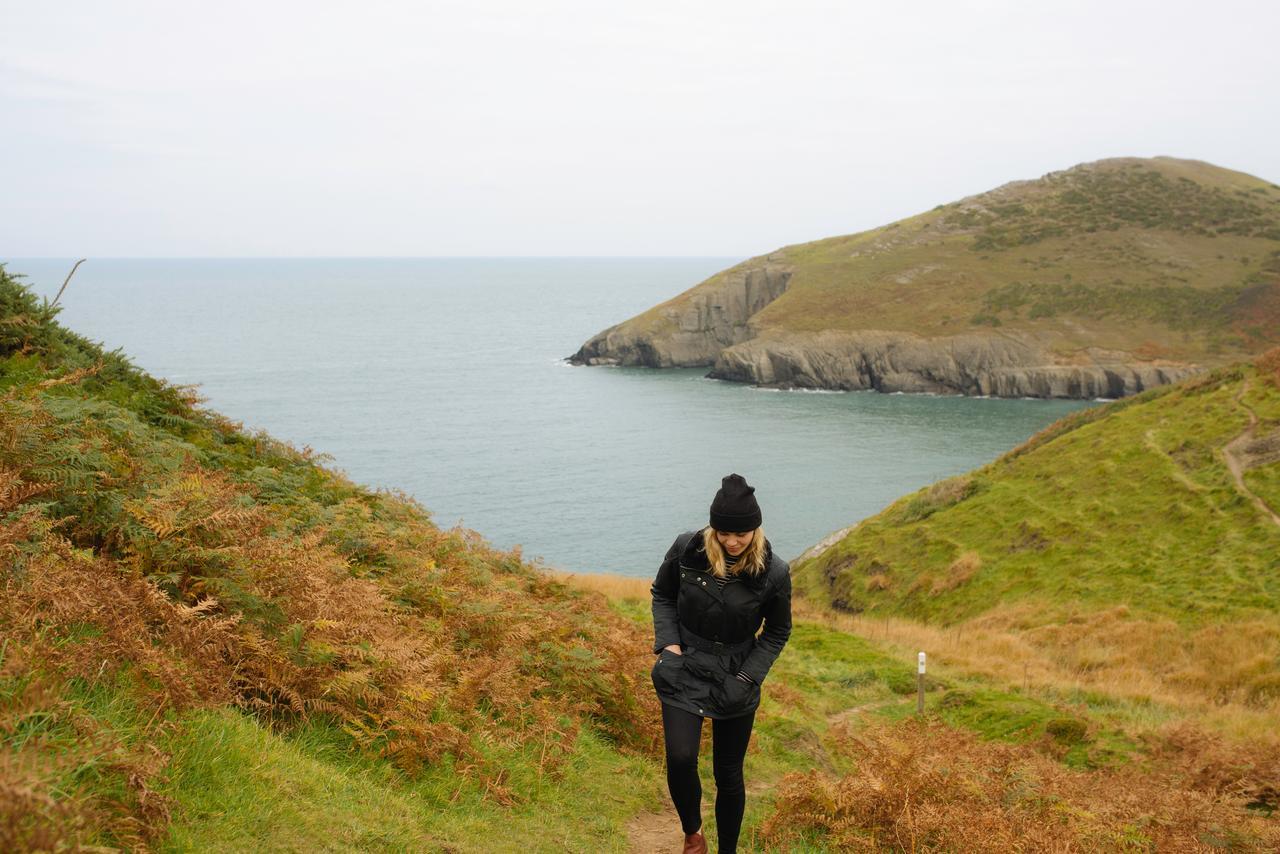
<point>1010,365</point>
<point>693,332</point>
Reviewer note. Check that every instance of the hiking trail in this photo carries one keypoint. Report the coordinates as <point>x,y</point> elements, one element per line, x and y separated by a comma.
<point>659,832</point>
<point>1243,453</point>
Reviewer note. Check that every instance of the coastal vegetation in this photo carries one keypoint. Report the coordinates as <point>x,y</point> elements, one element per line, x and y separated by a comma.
<point>1126,556</point>
<point>210,639</point>
<point>1132,504</point>
<point>840,761</point>
<point>207,634</point>
<point>1146,227</point>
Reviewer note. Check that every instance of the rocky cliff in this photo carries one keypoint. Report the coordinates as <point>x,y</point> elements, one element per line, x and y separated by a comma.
<point>692,332</point>
<point>1000,366</point>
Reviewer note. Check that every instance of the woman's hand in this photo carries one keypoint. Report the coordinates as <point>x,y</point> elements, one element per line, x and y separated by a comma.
<point>673,648</point>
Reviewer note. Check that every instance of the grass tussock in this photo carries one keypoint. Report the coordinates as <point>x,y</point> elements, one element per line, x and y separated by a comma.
<point>921,785</point>
<point>56,752</point>
<point>958,574</point>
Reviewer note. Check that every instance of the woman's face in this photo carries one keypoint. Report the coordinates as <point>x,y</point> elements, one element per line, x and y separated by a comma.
<point>734,544</point>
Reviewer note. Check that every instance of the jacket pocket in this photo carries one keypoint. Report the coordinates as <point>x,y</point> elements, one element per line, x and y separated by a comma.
<point>666,673</point>
<point>733,695</point>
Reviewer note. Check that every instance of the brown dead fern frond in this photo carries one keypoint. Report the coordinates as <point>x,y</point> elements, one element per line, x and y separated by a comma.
<point>921,785</point>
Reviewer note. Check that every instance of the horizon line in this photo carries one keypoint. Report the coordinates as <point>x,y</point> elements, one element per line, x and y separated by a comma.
<point>8,259</point>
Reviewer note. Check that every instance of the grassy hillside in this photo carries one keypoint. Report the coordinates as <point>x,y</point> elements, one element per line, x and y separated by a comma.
<point>1117,543</point>
<point>1162,258</point>
<point>211,641</point>
<point>208,635</point>
<point>840,762</point>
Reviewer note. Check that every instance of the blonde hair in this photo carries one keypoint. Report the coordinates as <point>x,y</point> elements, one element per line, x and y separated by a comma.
<point>750,562</point>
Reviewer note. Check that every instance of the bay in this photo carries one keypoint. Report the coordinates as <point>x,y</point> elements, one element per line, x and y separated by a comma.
<point>445,377</point>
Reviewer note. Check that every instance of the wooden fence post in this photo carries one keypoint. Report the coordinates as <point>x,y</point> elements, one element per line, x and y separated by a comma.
<point>920,685</point>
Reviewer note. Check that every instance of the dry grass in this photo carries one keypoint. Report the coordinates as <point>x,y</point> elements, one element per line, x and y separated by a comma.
<point>613,587</point>
<point>877,581</point>
<point>51,740</point>
<point>1221,676</point>
<point>922,786</point>
<point>962,569</point>
<point>423,645</point>
<point>36,811</point>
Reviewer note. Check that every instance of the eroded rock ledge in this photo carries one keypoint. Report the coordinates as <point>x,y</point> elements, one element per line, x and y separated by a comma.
<point>1008,365</point>
<point>713,326</point>
<point>696,330</point>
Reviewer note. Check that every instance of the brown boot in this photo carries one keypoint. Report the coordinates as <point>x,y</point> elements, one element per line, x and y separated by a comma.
<point>695,843</point>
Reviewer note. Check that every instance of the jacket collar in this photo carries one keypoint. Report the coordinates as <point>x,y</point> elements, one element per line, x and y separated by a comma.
<point>695,557</point>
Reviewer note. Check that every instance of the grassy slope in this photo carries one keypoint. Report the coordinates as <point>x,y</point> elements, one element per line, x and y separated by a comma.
<point>1124,504</point>
<point>1112,551</point>
<point>208,636</point>
<point>1165,258</point>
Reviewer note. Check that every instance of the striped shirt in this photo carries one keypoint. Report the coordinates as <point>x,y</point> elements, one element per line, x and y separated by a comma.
<point>729,561</point>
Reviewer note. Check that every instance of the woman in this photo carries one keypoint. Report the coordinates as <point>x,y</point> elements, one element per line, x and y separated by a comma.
<point>713,590</point>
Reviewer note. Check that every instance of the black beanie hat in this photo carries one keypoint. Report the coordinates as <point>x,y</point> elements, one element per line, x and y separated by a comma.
<point>734,509</point>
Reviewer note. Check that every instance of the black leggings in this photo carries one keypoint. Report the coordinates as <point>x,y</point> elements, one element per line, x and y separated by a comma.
<point>683,731</point>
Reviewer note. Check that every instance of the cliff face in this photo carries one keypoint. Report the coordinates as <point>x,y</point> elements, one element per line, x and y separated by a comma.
<point>692,332</point>
<point>977,364</point>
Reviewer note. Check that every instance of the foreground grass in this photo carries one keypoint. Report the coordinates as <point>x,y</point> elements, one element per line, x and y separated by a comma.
<point>238,787</point>
<point>841,701</point>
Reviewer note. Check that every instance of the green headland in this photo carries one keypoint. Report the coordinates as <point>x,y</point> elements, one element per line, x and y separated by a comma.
<point>1096,281</point>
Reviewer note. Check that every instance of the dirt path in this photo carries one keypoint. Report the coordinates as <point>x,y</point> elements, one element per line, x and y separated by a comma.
<point>655,832</point>
<point>845,714</point>
<point>659,832</point>
<point>1234,452</point>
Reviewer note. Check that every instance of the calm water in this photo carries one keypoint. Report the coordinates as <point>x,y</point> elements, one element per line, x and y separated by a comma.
<point>444,378</point>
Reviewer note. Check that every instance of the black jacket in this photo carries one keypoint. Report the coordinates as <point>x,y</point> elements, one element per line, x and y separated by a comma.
<point>716,629</point>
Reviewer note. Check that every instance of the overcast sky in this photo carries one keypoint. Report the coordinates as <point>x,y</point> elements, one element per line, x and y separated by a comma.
<point>588,128</point>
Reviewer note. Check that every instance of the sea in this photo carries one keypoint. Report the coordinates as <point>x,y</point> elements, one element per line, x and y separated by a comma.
<point>447,378</point>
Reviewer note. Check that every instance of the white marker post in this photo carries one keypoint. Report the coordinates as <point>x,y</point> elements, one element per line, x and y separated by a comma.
<point>920,685</point>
